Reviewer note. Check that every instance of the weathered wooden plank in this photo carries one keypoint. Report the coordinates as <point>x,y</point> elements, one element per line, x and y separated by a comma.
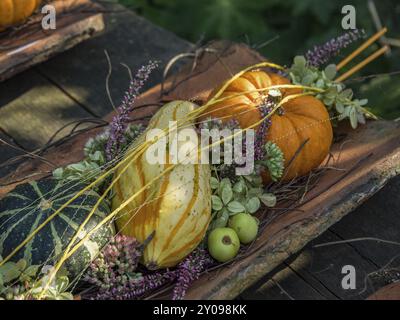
<point>389,292</point>
<point>325,265</point>
<point>77,21</point>
<point>368,159</point>
<point>378,219</point>
<point>294,264</point>
<point>128,39</point>
<point>319,269</point>
<point>7,152</point>
<point>32,109</point>
<point>282,284</point>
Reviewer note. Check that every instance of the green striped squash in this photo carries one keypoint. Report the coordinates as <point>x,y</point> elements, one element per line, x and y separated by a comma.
<point>30,204</point>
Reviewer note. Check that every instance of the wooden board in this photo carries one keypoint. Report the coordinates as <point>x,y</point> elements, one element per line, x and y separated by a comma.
<point>29,44</point>
<point>368,158</point>
<point>130,40</point>
<point>389,292</point>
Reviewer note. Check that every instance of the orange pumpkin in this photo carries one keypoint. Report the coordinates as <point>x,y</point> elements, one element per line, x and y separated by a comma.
<point>302,119</point>
<point>16,11</point>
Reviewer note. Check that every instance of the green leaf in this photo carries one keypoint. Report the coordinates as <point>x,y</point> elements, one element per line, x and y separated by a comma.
<point>330,71</point>
<point>353,118</point>
<point>253,205</point>
<point>65,296</point>
<point>216,203</point>
<point>58,173</point>
<point>239,186</point>
<point>268,199</point>
<point>21,264</point>
<point>62,284</point>
<point>226,194</point>
<point>339,107</point>
<point>300,61</point>
<point>346,94</point>
<point>221,220</point>
<point>236,207</point>
<point>30,273</point>
<point>9,272</point>
<point>255,192</point>
<point>214,183</point>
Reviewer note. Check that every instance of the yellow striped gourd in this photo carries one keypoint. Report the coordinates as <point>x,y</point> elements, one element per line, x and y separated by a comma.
<point>176,207</point>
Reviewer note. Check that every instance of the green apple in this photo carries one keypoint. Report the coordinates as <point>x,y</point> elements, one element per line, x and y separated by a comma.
<point>246,227</point>
<point>223,244</point>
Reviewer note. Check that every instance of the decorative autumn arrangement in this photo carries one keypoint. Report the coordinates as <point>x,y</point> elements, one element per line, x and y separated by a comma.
<point>118,225</point>
<point>13,12</point>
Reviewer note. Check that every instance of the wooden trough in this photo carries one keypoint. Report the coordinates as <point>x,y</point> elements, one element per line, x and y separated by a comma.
<point>364,160</point>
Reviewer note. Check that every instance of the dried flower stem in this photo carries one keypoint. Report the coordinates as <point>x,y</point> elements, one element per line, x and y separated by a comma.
<point>121,119</point>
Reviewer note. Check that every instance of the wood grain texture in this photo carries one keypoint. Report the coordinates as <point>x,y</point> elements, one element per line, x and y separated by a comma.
<point>368,157</point>
<point>32,111</point>
<point>384,211</point>
<point>324,265</point>
<point>282,284</point>
<point>389,292</point>
<point>76,21</point>
<point>130,41</point>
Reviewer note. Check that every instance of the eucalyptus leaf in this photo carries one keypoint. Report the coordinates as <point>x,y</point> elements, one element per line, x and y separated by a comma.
<point>255,192</point>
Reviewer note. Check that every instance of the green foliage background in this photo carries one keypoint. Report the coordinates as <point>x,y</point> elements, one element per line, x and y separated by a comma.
<point>281,29</point>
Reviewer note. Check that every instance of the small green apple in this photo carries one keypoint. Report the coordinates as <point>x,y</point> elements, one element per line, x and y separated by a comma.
<point>223,244</point>
<point>246,227</point>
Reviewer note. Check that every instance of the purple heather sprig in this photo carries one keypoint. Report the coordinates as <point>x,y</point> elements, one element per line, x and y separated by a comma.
<point>120,121</point>
<point>320,55</point>
<point>266,107</point>
<point>189,270</point>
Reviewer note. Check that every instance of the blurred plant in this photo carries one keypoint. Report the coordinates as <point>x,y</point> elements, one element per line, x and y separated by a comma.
<point>282,29</point>
<point>322,54</point>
